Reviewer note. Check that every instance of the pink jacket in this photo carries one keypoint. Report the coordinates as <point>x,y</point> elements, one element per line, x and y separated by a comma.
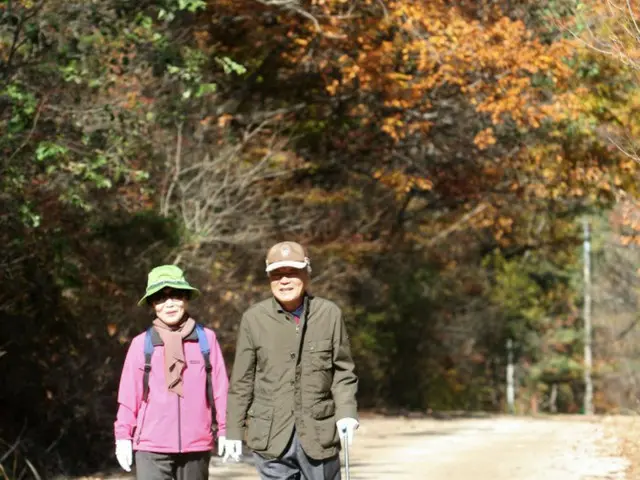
<point>167,423</point>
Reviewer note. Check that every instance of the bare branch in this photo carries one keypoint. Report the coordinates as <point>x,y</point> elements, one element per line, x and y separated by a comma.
<point>176,172</point>
<point>294,6</point>
<point>454,226</point>
<point>15,444</point>
<point>630,153</point>
<point>633,17</point>
<point>221,195</point>
<point>623,38</point>
<point>31,132</point>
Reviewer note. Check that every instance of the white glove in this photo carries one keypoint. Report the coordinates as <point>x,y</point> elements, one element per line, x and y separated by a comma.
<point>346,427</point>
<point>124,454</point>
<point>231,448</point>
<point>222,440</point>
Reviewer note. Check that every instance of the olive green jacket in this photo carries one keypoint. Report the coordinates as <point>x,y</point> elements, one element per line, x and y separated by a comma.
<point>287,375</point>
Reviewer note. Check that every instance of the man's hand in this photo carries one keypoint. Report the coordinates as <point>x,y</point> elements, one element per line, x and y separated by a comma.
<point>124,454</point>
<point>346,427</point>
<point>230,448</point>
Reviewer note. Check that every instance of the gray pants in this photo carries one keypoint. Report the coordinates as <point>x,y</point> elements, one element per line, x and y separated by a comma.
<point>296,465</point>
<point>172,466</point>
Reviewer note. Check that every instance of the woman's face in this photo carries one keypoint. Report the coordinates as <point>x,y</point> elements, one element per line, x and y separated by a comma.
<point>170,305</point>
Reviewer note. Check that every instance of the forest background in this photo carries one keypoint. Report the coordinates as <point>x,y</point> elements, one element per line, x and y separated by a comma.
<point>438,158</point>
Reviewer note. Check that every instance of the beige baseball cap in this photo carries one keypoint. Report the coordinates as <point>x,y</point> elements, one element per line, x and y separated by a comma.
<point>287,254</point>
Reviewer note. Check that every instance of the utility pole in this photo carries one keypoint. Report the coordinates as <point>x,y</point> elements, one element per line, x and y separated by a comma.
<point>588,354</point>
<point>510,380</point>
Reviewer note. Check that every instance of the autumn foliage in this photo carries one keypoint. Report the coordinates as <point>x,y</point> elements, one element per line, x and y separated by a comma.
<point>436,157</point>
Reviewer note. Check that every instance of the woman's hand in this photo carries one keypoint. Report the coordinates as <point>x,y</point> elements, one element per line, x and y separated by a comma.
<point>124,454</point>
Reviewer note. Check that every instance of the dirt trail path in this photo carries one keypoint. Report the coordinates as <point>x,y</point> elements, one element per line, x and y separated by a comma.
<point>499,448</point>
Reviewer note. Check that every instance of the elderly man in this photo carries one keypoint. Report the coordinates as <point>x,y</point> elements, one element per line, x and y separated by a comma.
<point>293,388</point>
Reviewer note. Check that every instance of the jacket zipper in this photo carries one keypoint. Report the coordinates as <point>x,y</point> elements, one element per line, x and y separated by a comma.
<point>179,428</point>
<point>139,433</point>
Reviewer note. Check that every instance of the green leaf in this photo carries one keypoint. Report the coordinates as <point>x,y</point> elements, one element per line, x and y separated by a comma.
<point>229,66</point>
<point>206,88</point>
<point>192,5</point>
<point>48,150</point>
<point>29,217</point>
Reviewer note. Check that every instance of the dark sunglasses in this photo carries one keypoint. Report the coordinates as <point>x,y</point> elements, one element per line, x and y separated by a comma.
<point>163,296</point>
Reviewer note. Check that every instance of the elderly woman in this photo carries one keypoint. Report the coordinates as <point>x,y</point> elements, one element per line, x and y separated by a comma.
<point>173,388</point>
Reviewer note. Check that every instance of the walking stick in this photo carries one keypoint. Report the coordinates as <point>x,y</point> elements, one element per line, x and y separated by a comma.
<point>346,454</point>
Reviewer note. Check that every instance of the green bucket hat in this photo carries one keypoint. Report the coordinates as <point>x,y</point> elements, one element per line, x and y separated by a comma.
<point>167,276</point>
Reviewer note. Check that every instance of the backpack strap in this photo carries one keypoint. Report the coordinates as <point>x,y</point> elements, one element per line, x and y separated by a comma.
<point>206,351</point>
<point>148,352</point>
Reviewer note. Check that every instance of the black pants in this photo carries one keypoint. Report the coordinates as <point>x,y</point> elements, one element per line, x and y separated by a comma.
<point>172,466</point>
<point>296,465</point>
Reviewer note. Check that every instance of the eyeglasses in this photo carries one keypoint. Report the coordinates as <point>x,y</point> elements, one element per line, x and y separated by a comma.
<point>279,274</point>
<point>163,296</point>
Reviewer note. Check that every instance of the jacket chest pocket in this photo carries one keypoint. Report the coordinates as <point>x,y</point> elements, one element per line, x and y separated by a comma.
<point>320,354</point>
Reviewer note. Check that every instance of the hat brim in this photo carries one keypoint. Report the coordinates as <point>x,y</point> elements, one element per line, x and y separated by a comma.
<point>195,293</point>
<point>286,263</point>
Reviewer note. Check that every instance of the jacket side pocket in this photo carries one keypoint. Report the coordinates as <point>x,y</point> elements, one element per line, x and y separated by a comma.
<point>260,418</point>
<point>325,423</point>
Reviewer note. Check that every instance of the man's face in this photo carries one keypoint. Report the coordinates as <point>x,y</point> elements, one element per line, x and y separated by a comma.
<point>288,285</point>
